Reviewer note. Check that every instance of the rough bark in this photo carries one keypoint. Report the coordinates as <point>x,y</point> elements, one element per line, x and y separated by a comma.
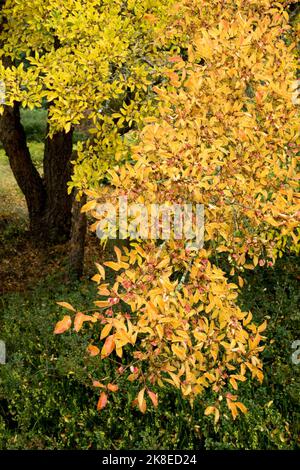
<point>14,142</point>
<point>57,173</point>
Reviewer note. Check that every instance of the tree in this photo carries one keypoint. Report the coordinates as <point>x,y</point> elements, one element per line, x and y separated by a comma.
<point>84,61</point>
<point>226,137</point>
<point>48,202</point>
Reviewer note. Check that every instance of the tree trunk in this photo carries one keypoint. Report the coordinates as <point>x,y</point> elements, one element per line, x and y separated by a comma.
<point>57,173</point>
<point>13,138</point>
<point>77,243</point>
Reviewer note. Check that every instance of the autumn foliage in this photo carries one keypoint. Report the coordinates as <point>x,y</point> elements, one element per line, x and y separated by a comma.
<point>224,134</point>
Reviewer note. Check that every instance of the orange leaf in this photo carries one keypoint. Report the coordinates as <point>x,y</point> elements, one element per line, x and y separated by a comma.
<point>102,402</point>
<point>63,325</point>
<point>175,59</point>
<point>112,387</point>
<point>150,17</point>
<point>102,303</point>
<point>153,397</point>
<point>93,350</point>
<point>97,278</point>
<point>96,383</point>
<point>103,290</point>
<point>241,407</point>
<point>66,305</point>
<point>79,318</point>
<point>108,346</point>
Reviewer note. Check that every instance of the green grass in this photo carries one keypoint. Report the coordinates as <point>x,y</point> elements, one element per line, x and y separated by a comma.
<point>35,125</point>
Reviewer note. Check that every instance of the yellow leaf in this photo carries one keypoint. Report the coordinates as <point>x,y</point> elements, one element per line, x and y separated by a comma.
<point>262,327</point>
<point>66,305</point>
<point>209,410</point>
<point>217,415</point>
<point>160,331</point>
<point>108,346</point>
<point>102,303</point>
<point>97,278</point>
<point>93,350</point>
<point>113,265</point>
<point>106,330</point>
<point>118,253</point>
<point>101,270</point>
<point>68,127</point>
<point>233,383</point>
<point>248,319</point>
<point>241,407</point>
<point>141,400</point>
<point>175,379</point>
<point>233,409</point>
<point>260,375</point>
<point>89,206</point>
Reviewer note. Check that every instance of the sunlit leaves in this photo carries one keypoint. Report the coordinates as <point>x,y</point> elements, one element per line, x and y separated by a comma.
<point>223,134</point>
